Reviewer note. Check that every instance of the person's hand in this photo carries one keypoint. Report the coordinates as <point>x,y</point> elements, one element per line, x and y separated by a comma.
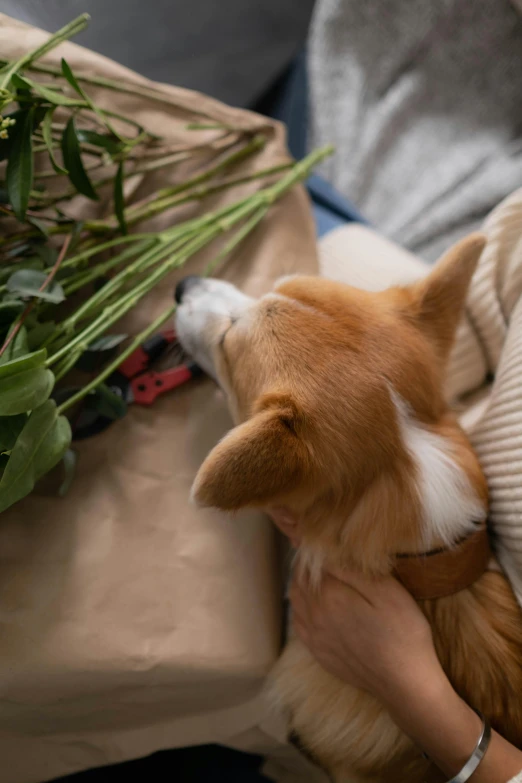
<point>371,634</point>
<point>286,523</point>
<point>367,632</point>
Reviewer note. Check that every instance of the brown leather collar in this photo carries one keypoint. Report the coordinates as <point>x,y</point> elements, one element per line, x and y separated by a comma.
<point>443,572</point>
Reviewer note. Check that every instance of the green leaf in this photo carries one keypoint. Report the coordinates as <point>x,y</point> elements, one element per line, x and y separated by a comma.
<point>109,143</point>
<point>20,83</point>
<point>99,352</point>
<point>53,96</point>
<point>71,78</point>
<point>107,342</point>
<point>69,459</point>
<point>39,225</point>
<point>19,173</point>
<point>28,263</point>
<point>73,162</point>
<point>105,402</point>
<point>18,250</point>
<point>22,363</point>
<point>47,253</point>
<point>42,443</point>
<point>27,282</point>
<point>39,334</point>
<point>10,429</point>
<point>46,130</point>
<point>25,391</point>
<point>22,89</point>
<point>17,347</point>
<point>119,203</point>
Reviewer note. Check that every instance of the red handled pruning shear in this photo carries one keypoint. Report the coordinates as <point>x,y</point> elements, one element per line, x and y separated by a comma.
<point>135,383</point>
<point>132,382</point>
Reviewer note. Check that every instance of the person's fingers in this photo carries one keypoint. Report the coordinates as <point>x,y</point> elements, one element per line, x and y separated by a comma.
<point>313,609</point>
<point>287,524</point>
<point>374,591</point>
<point>286,527</point>
<point>340,595</point>
<point>302,632</point>
<point>306,610</point>
<point>299,599</point>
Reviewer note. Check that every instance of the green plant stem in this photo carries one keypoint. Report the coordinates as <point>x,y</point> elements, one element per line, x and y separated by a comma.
<point>155,207</point>
<point>64,195</point>
<point>151,208</point>
<point>71,29</point>
<point>87,310</point>
<point>88,149</point>
<point>165,198</point>
<point>66,365</point>
<point>88,276</point>
<point>99,299</point>
<point>236,240</point>
<point>84,338</point>
<point>201,232</point>
<point>196,241</point>
<point>298,172</point>
<point>176,259</point>
<point>122,87</point>
<point>51,173</point>
<point>153,327</point>
<point>258,203</point>
<point>208,126</point>
<point>113,312</point>
<point>171,256</point>
<point>153,165</point>
<point>86,254</point>
<point>152,256</point>
<point>254,145</point>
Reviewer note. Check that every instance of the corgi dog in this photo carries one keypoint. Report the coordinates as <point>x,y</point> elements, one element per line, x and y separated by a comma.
<point>337,395</point>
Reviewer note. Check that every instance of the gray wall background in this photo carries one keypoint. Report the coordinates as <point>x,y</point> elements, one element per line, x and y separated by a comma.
<point>231,49</point>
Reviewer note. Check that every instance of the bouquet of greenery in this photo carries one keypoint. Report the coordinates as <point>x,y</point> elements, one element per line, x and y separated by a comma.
<point>64,282</point>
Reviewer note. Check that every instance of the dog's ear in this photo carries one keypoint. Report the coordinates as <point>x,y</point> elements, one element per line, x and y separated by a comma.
<point>256,462</point>
<point>438,300</point>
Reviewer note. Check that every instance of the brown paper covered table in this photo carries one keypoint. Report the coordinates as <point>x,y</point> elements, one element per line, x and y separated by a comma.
<point>130,621</point>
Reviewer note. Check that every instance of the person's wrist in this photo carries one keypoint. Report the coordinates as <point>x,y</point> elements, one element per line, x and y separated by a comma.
<point>440,723</point>
<point>421,682</point>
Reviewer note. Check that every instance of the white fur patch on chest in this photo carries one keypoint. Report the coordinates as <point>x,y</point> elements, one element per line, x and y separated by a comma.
<point>449,502</point>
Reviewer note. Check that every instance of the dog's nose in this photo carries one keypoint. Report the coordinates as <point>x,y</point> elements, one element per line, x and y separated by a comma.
<point>184,285</point>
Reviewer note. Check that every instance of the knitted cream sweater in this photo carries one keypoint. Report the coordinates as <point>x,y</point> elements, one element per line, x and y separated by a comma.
<point>488,346</point>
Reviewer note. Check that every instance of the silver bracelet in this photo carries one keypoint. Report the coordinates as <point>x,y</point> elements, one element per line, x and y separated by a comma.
<point>478,754</point>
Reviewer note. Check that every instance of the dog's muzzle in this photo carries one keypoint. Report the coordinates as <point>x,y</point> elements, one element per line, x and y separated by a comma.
<point>206,309</point>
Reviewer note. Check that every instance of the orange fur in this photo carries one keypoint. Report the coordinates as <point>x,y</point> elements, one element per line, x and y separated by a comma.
<point>312,373</point>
